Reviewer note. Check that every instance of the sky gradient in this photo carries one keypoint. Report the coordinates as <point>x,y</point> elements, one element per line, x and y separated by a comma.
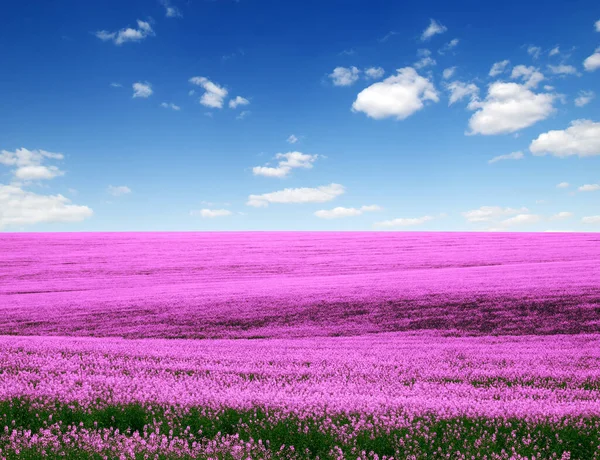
<point>300,115</point>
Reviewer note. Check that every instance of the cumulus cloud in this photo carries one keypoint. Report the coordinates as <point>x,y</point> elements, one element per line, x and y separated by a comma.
<point>211,213</point>
<point>584,98</point>
<point>563,69</point>
<point>597,25</point>
<point>127,35</point>
<point>170,105</point>
<point>19,206</point>
<point>491,213</point>
<point>509,107</point>
<point>562,215</point>
<point>344,76</point>
<point>116,85</point>
<point>508,156</point>
<point>234,103</point>
<point>345,212</point>
<point>459,90</point>
<point>118,190</point>
<point>298,195</point>
<point>591,220</point>
<point>292,139</point>
<point>287,162</point>
<point>28,164</point>
<point>142,89</point>
<point>374,73</point>
<point>449,72</point>
<point>214,94</point>
<point>530,75</point>
<point>425,62</point>
<point>592,62</point>
<point>22,207</point>
<point>498,68</point>
<point>521,219</point>
<point>403,222</point>
<point>582,138</point>
<point>434,28</point>
<point>397,96</point>
<point>243,114</point>
<point>563,185</point>
<point>589,188</point>
<point>554,51</point>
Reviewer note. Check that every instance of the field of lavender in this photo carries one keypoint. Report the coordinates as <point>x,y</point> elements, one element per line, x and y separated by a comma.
<point>300,345</point>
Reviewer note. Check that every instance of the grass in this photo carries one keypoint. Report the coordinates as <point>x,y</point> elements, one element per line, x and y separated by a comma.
<point>425,437</point>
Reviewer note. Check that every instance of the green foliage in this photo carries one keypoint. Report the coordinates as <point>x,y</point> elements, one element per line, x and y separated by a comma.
<point>311,437</point>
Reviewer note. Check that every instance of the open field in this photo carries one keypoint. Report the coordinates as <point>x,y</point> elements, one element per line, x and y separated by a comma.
<point>363,345</point>
<point>240,285</point>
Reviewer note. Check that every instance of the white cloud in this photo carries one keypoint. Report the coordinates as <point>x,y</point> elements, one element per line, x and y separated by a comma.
<point>344,76</point>
<point>562,215</point>
<point>292,139</point>
<point>403,222</point>
<point>243,114</point>
<point>214,94</point>
<point>509,107</point>
<point>449,46</point>
<point>142,89</point>
<point>563,69</point>
<point>597,25</point>
<point>22,207</point>
<point>534,51</point>
<point>449,72</point>
<point>287,162</point>
<point>397,96</point>
<point>591,220</point>
<point>211,213</point>
<point>459,90</point>
<point>582,138</point>
<point>424,62</point>
<point>118,190</point>
<point>127,35</point>
<point>498,68</point>
<point>38,172</point>
<point>170,10</point>
<point>563,185</point>
<point>491,213</point>
<point>589,188</point>
<point>298,195</point>
<point>345,212</point>
<point>116,85</point>
<point>521,219</point>
<point>530,75</point>
<point>554,51</point>
<point>28,164</point>
<point>374,73</point>
<point>170,105</point>
<point>508,156</point>
<point>592,62</point>
<point>239,100</point>
<point>434,28</point>
<point>584,98</point>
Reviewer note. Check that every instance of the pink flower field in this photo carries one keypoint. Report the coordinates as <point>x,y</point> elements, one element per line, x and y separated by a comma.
<point>244,285</point>
<point>300,345</point>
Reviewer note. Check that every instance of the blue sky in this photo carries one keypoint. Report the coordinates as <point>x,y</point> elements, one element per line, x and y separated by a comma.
<point>300,115</point>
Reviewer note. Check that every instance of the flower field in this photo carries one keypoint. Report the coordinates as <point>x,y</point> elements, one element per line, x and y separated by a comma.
<point>300,345</point>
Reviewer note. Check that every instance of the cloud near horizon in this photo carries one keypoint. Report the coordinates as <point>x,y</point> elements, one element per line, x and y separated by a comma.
<point>297,195</point>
